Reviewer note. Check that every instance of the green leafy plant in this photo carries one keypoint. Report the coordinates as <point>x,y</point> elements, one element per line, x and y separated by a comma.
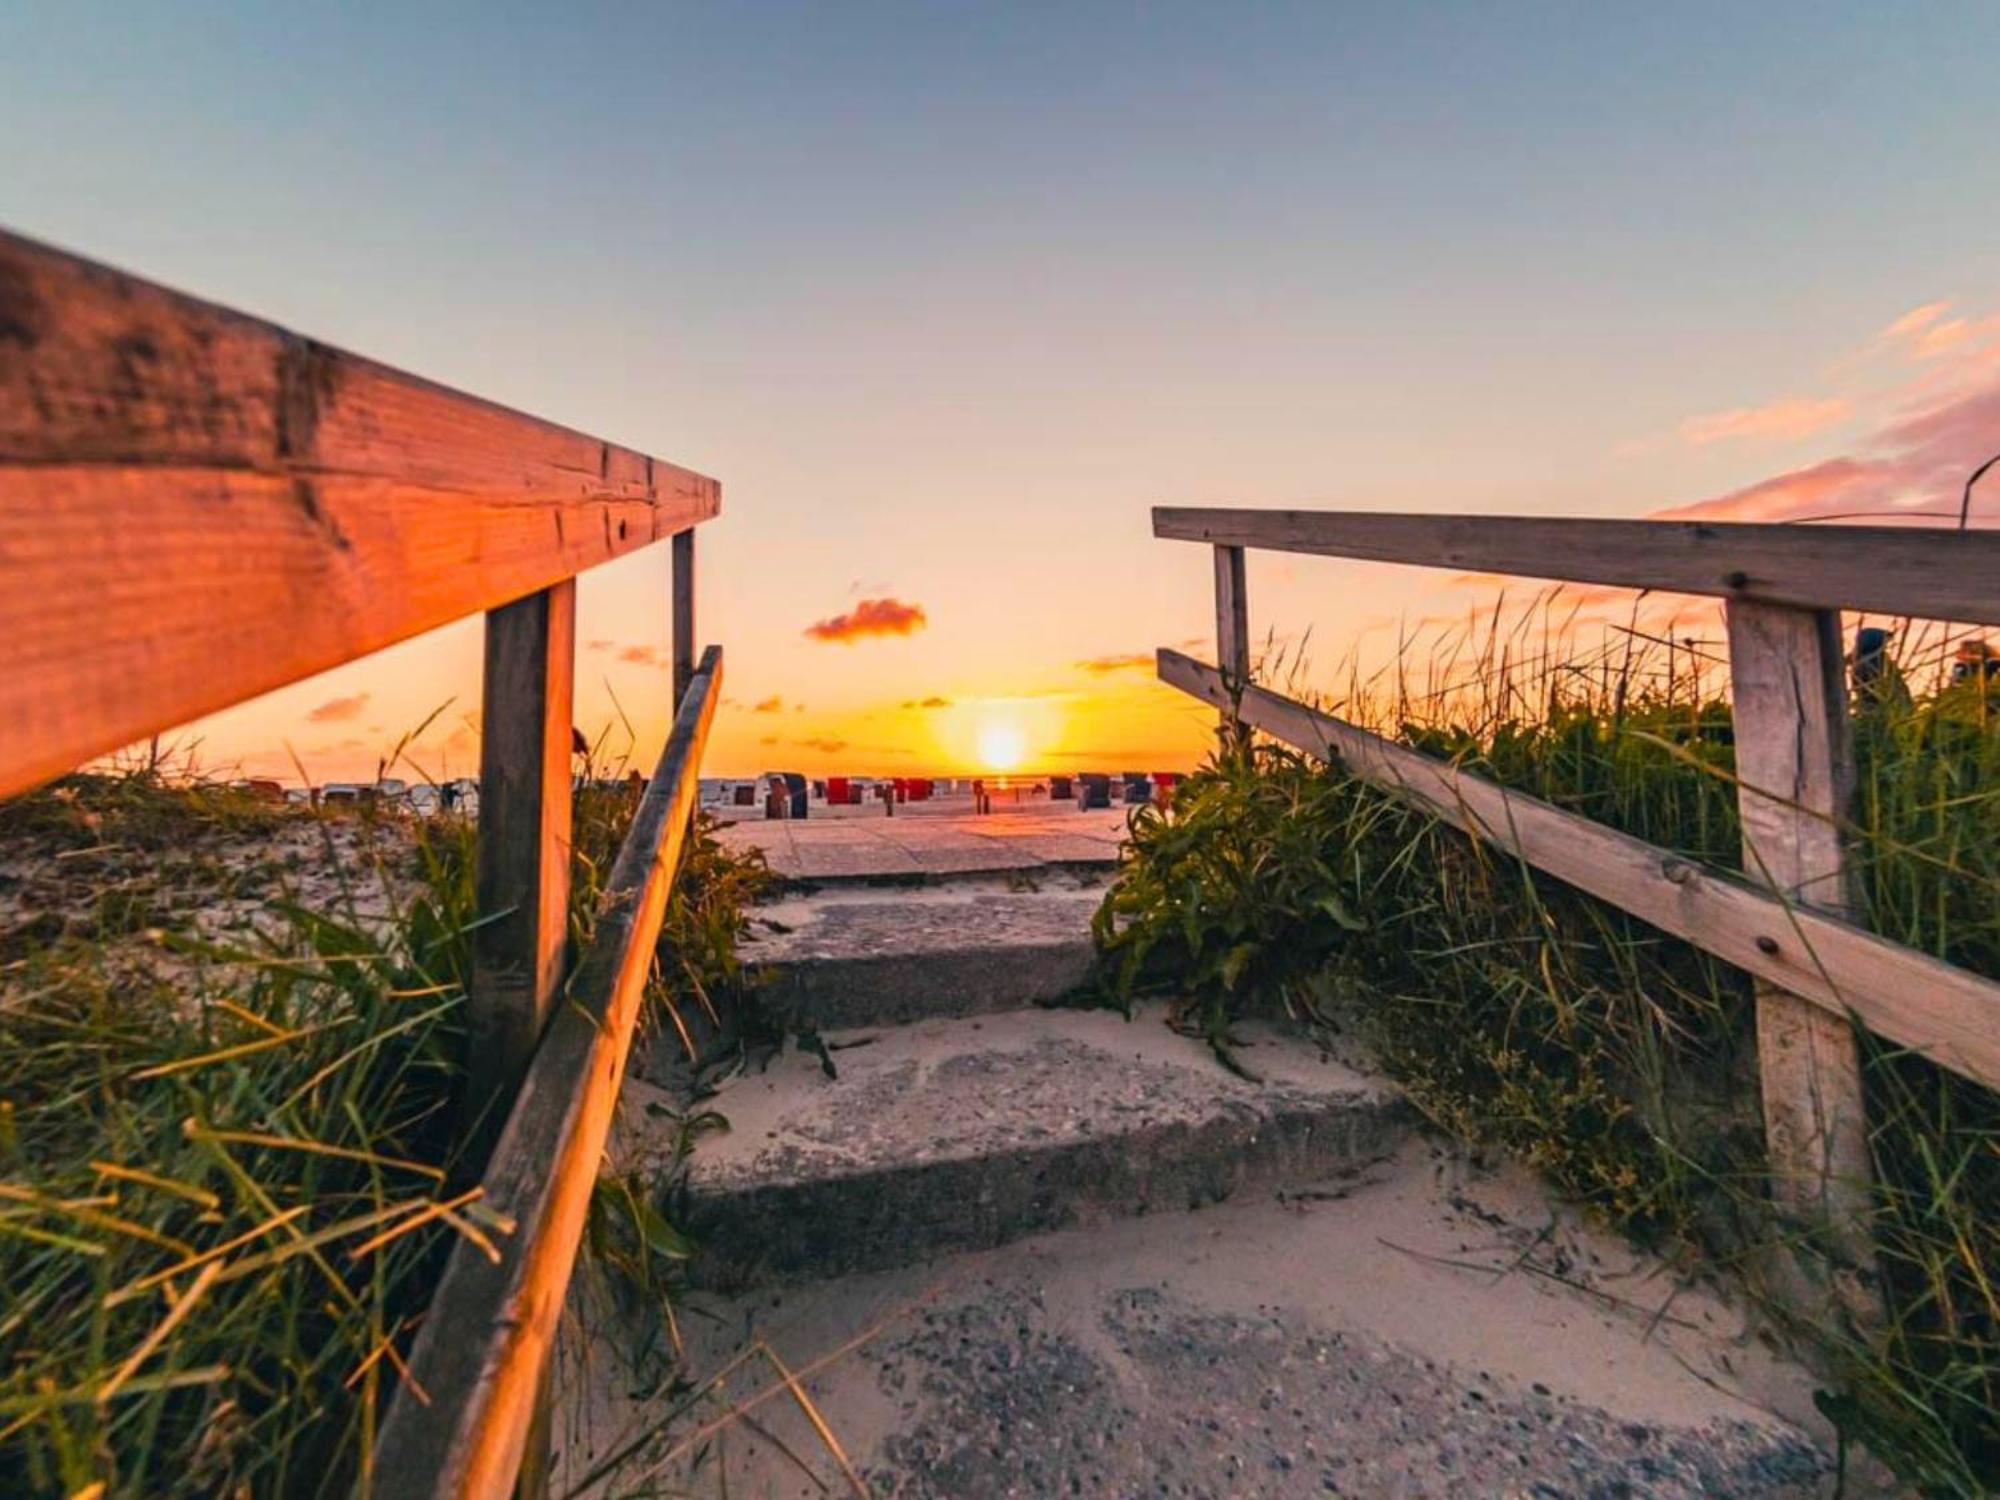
<point>1522,1015</point>
<point>230,1122</point>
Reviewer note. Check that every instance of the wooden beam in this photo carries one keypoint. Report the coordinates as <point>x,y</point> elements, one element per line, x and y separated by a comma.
<point>1795,782</point>
<point>523,861</point>
<point>197,507</point>
<point>1232,629</point>
<point>489,1330</point>
<point>683,607</point>
<point>1892,570</point>
<point>1947,1014</point>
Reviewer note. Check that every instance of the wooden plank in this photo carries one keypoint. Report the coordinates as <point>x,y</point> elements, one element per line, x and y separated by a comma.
<point>1795,782</point>
<point>197,507</point>
<point>523,860</point>
<point>522,878</point>
<point>1232,614</point>
<point>683,607</point>
<point>1947,1014</point>
<point>487,1335</point>
<point>1893,570</point>
<point>1232,630</point>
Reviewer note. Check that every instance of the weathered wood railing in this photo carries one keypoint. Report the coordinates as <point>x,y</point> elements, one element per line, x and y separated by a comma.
<point>1786,918</point>
<point>197,507</point>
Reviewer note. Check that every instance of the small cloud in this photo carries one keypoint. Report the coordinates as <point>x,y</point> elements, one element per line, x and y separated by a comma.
<point>1940,337</point>
<point>1788,419</point>
<point>769,739</point>
<point>830,747</point>
<point>600,645</point>
<point>339,710</point>
<point>931,702</point>
<point>870,617</point>
<point>771,705</point>
<point>1130,661</point>
<point>645,656</point>
<point>1916,320</point>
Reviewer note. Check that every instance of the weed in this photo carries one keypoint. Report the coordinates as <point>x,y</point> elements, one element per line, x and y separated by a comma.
<point>1521,1014</point>
<point>230,1117</point>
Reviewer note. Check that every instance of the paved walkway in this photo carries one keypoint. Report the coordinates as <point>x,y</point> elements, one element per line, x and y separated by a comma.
<point>920,844</point>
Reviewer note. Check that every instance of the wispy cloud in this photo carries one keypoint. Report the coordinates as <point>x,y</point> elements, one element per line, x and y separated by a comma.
<point>827,746</point>
<point>1916,320</point>
<point>1130,661</point>
<point>771,705</point>
<point>1935,422</point>
<point>931,702</point>
<point>339,710</point>
<point>1938,422</point>
<point>1787,419</point>
<point>870,617</point>
<point>638,655</point>
<point>1910,469</point>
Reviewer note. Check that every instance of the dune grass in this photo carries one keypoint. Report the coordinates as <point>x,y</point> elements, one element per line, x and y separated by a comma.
<point>1525,1016</point>
<point>229,1123</point>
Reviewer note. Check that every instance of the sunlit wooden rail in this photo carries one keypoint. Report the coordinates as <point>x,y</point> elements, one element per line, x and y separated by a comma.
<point>197,507</point>
<point>491,1326</point>
<point>1785,919</point>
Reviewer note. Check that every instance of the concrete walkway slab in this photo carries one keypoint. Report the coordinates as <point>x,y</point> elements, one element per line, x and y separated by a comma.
<point>919,845</point>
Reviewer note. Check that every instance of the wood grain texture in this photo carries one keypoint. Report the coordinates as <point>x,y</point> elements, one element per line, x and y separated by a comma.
<point>683,607</point>
<point>196,507</point>
<point>1924,571</point>
<point>1232,632</point>
<point>1795,784</point>
<point>490,1327</point>
<point>522,865</point>
<point>1232,614</point>
<point>1947,1014</point>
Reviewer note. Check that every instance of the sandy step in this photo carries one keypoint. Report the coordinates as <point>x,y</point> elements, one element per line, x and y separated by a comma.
<point>965,1134</point>
<point>1428,1329</point>
<point>876,956</point>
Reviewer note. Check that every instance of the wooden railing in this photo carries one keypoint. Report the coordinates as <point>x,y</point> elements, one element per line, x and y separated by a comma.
<point>1786,918</point>
<point>197,507</point>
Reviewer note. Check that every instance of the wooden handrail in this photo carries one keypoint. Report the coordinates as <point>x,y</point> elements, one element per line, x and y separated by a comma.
<point>1783,588</point>
<point>489,1330</point>
<point>1948,1014</point>
<point>1928,572</point>
<point>197,506</point>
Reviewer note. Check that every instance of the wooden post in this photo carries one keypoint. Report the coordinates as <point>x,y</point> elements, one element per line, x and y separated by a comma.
<point>1795,770</point>
<point>684,642</point>
<point>524,839</point>
<point>1232,633</point>
<point>522,879</point>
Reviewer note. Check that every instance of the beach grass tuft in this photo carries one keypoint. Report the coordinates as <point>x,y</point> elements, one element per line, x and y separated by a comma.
<point>1524,1016</point>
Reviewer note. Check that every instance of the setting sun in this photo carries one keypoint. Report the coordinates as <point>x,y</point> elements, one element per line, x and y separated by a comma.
<point>1001,745</point>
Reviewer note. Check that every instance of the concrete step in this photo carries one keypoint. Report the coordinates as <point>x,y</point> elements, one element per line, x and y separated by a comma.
<point>849,956</point>
<point>1429,1329</point>
<point>964,1134</point>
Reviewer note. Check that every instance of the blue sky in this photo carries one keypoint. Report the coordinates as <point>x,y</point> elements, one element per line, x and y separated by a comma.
<point>948,295</point>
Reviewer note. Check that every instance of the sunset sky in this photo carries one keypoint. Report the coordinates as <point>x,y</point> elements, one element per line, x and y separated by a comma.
<point>948,296</point>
